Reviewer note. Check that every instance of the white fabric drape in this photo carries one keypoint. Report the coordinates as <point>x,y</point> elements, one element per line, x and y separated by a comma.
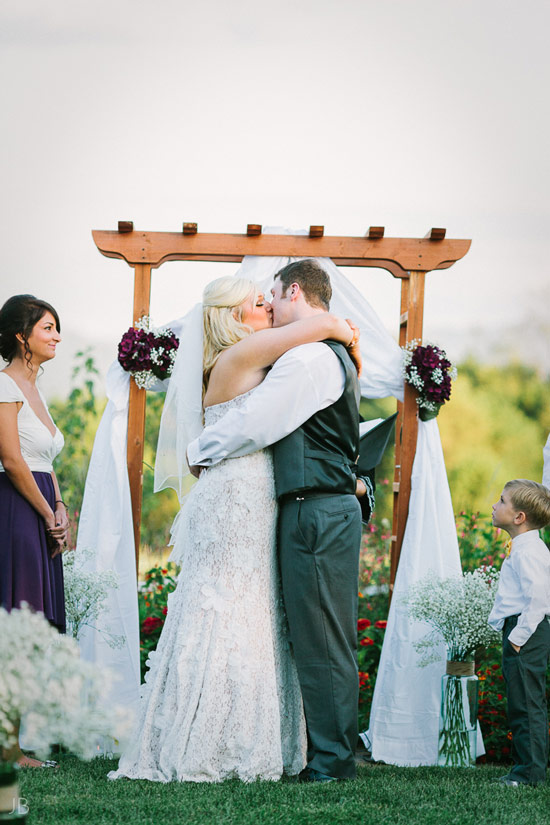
<point>405,710</point>
<point>546,467</point>
<point>106,533</point>
<point>403,726</point>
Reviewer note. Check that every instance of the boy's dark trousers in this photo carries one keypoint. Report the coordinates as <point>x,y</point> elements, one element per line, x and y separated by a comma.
<point>525,674</point>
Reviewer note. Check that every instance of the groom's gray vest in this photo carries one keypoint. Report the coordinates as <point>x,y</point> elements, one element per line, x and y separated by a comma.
<point>321,454</point>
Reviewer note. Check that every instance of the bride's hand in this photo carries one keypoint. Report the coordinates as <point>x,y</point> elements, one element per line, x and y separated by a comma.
<point>353,347</point>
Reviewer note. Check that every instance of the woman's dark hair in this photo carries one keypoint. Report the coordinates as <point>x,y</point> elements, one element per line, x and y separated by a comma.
<point>19,315</point>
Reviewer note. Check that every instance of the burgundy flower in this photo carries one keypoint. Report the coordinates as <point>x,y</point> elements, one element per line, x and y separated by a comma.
<point>150,624</point>
<point>134,351</point>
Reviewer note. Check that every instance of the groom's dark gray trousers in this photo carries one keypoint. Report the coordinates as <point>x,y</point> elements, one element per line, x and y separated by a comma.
<point>319,540</point>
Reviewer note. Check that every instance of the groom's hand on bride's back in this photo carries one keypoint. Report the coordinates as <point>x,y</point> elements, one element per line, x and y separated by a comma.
<point>353,348</point>
<point>194,469</point>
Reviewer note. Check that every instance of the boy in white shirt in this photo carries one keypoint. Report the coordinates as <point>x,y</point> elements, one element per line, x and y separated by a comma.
<point>522,611</point>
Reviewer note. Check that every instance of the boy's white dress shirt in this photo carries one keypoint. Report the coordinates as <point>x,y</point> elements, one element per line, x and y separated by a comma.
<point>524,587</point>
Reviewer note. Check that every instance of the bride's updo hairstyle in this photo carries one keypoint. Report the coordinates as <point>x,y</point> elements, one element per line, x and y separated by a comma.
<point>19,315</point>
<point>223,301</point>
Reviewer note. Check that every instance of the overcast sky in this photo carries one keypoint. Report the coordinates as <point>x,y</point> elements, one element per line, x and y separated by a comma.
<point>347,113</point>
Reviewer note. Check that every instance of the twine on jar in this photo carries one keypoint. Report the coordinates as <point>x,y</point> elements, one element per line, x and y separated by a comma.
<point>459,668</point>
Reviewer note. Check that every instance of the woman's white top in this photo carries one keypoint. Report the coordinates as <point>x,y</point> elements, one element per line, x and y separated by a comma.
<point>38,446</point>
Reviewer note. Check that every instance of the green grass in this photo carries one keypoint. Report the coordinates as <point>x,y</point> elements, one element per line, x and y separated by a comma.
<point>79,792</point>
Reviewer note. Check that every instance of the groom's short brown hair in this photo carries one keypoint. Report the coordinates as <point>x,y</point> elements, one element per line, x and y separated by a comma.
<point>312,280</point>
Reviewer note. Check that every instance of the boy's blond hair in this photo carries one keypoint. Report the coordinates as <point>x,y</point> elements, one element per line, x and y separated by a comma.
<point>531,498</point>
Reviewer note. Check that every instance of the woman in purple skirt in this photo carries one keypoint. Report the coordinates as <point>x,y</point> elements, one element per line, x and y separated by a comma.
<point>33,518</point>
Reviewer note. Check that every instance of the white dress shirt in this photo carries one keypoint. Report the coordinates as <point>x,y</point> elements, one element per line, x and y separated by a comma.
<point>524,587</point>
<point>303,381</point>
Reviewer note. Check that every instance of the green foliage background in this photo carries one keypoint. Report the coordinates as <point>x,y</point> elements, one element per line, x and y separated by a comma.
<point>493,429</point>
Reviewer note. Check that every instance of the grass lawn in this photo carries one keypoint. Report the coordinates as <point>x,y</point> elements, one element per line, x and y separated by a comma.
<point>79,792</point>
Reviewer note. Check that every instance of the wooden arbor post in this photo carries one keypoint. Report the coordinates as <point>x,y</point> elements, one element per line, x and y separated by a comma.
<point>406,258</point>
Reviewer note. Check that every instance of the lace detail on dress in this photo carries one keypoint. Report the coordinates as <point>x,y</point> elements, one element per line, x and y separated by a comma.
<point>222,698</point>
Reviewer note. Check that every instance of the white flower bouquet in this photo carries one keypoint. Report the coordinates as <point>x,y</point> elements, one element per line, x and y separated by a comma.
<point>457,608</point>
<point>85,595</point>
<point>44,682</point>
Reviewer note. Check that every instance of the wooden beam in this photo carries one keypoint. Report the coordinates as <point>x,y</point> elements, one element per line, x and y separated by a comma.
<point>398,255</point>
<point>406,428</point>
<point>405,258</point>
<point>436,234</point>
<point>376,232</point>
<point>136,410</point>
<point>316,231</point>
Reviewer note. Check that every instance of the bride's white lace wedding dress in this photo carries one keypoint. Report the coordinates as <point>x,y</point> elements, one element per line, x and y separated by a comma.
<point>221,697</point>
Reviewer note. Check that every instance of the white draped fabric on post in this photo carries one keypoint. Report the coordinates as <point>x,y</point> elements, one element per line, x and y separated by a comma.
<point>546,466</point>
<point>106,539</point>
<point>404,719</point>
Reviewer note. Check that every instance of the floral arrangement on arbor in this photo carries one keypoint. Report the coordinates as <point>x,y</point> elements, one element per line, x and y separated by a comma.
<point>148,352</point>
<point>457,608</point>
<point>429,371</point>
<point>44,681</point>
<point>85,595</point>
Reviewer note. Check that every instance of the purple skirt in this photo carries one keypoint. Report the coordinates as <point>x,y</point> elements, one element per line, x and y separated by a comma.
<point>27,571</point>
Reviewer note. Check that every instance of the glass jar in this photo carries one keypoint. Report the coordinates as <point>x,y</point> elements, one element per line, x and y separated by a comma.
<point>457,747</point>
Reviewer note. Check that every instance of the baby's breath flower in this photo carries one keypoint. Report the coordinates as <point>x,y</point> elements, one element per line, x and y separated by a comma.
<point>85,595</point>
<point>44,682</point>
<point>457,609</point>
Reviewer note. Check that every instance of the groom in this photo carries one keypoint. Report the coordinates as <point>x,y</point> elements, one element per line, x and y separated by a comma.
<point>308,408</point>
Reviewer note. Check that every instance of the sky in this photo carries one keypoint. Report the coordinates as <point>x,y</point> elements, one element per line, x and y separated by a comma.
<point>345,113</point>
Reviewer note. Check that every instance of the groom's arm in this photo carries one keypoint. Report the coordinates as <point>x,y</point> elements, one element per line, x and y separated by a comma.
<point>303,381</point>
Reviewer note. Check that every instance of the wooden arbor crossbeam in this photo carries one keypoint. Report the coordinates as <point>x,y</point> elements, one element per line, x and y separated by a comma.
<point>406,258</point>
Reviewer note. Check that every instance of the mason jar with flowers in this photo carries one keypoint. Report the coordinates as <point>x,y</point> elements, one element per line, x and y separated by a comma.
<point>457,609</point>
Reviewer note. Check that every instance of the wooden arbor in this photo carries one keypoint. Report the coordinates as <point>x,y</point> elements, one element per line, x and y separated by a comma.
<point>406,258</point>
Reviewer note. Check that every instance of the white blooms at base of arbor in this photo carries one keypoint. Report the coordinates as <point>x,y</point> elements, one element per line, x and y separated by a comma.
<point>457,608</point>
<point>45,683</point>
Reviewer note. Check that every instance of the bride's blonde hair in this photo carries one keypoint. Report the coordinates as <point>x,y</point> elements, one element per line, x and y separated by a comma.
<point>223,301</point>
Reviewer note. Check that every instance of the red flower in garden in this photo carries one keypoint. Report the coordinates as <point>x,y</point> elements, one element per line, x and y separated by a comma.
<point>165,610</point>
<point>363,678</point>
<point>150,624</point>
<point>362,624</point>
<point>164,571</point>
<point>381,624</point>
<point>366,642</point>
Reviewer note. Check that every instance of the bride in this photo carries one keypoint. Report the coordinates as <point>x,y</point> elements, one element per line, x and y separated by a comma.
<point>221,698</point>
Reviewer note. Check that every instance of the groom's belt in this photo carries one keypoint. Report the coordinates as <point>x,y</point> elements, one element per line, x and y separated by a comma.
<point>305,495</point>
